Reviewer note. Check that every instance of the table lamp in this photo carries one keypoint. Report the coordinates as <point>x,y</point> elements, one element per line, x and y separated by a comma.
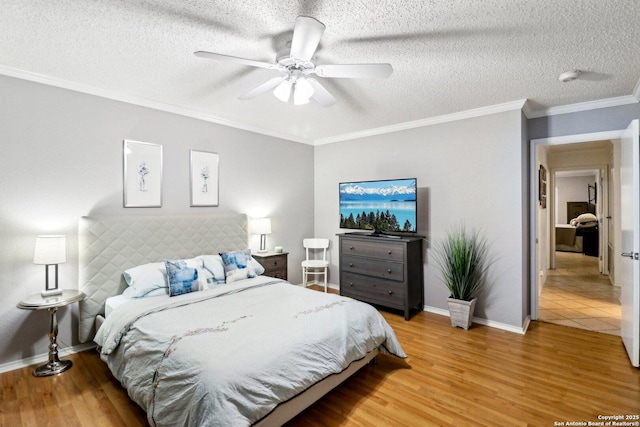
<point>262,226</point>
<point>50,251</point>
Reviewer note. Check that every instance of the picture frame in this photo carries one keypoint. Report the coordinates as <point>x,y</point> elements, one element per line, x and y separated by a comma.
<point>542,187</point>
<point>203,178</point>
<point>142,174</point>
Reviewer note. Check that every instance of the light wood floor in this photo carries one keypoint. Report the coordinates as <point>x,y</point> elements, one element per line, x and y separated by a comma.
<point>576,294</point>
<point>480,377</point>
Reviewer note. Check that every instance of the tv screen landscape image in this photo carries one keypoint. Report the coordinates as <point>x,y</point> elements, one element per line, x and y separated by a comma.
<point>379,206</point>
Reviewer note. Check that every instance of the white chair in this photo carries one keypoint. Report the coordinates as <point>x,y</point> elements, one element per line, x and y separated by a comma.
<point>312,265</point>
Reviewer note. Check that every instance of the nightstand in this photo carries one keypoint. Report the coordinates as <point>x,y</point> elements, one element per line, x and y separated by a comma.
<point>275,264</point>
<point>52,303</point>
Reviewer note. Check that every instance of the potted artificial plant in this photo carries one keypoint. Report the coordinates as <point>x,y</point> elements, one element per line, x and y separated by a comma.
<point>463,259</point>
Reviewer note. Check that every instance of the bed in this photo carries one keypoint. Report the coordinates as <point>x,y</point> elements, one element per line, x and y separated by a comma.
<point>253,351</point>
<point>579,235</point>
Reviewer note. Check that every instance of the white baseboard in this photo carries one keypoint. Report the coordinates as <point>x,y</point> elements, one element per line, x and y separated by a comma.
<point>42,358</point>
<point>485,322</point>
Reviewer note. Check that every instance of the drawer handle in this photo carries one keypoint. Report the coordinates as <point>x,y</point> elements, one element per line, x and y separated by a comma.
<point>350,248</point>
<point>390,292</point>
<point>275,262</point>
<point>350,264</point>
<point>389,252</point>
<point>350,284</point>
<point>389,270</point>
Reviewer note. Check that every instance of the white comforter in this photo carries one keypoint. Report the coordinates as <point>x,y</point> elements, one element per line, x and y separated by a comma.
<point>229,355</point>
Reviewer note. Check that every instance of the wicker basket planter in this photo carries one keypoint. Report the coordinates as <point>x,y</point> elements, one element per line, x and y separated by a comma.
<point>461,312</point>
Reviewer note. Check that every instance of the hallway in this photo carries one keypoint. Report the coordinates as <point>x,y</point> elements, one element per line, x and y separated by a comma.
<point>577,295</point>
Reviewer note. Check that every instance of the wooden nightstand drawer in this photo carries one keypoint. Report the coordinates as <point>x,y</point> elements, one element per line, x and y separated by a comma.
<point>278,274</point>
<point>275,264</point>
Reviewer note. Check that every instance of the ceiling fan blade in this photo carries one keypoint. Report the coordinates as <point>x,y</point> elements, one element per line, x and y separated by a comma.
<point>306,36</point>
<point>237,60</point>
<point>320,94</point>
<point>355,71</point>
<point>264,87</point>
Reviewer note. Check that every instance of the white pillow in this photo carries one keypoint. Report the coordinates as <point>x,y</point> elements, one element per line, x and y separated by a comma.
<point>213,264</point>
<point>586,217</point>
<point>259,269</point>
<point>145,279</point>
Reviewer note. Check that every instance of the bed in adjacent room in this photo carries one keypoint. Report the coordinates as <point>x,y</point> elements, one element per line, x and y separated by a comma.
<point>230,347</point>
<point>580,235</point>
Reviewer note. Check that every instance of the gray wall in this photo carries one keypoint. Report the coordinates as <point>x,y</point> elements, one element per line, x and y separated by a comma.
<point>468,171</point>
<point>599,120</point>
<point>62,159</point>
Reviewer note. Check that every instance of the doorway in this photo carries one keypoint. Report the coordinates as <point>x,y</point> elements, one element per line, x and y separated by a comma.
<point>577,291</point>
<point>569,287</point>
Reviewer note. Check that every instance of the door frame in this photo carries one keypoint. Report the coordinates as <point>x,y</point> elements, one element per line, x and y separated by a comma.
<point>600,176</point>
<point>534,212</point>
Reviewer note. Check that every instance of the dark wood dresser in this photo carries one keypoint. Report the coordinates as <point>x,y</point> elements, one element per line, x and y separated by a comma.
<point>275,264</point>
<point>384,271</point>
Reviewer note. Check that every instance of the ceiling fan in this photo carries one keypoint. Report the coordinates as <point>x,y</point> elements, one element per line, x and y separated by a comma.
<point>297,68</point>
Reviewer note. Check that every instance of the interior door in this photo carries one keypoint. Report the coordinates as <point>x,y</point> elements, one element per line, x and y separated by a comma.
<point>630,227</point>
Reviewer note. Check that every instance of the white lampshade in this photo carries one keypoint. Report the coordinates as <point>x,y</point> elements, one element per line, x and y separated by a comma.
<point>283,91</point>
<point>261,226</point>
<point>302,92</point>
<point>50,250</point>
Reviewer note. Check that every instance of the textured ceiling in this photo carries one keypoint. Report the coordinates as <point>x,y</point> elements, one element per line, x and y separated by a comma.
<point>448,56</point>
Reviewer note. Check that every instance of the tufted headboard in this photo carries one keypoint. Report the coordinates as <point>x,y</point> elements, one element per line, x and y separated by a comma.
<point>108,245</point>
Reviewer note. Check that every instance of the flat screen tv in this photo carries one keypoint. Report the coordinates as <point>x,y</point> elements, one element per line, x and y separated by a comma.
<point>384,206</point>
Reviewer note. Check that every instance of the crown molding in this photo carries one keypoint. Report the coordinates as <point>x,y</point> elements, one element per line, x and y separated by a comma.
<point>142,102</point>
<point>476,112</point>
<point>527,109</point>
<point>589,105</point>
<point>523,105</point>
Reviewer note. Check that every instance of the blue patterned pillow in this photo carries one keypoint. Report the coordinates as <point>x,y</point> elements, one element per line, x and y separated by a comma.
<point>182,278</point>
<point>238,265</point>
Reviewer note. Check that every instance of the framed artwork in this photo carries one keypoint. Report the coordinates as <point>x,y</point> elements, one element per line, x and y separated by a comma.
<point>142,174</point>
<point>542,187</point>
<point>203,171</point>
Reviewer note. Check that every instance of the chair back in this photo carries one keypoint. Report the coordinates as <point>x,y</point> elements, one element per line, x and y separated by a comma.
<point>316,244</point>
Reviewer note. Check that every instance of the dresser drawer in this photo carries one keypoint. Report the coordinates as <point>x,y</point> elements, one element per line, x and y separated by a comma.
<point>372,289</point>
<point>373,267</point>
<point>374,249</point>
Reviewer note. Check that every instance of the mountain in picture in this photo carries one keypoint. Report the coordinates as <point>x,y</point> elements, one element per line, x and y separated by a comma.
<point>397,190</point>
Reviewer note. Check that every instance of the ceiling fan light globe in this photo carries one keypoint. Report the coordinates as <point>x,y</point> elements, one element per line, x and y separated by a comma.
<point>283,91</point>
<point>304,88</point>
<point>298,100</point>
<point>303,92</point>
